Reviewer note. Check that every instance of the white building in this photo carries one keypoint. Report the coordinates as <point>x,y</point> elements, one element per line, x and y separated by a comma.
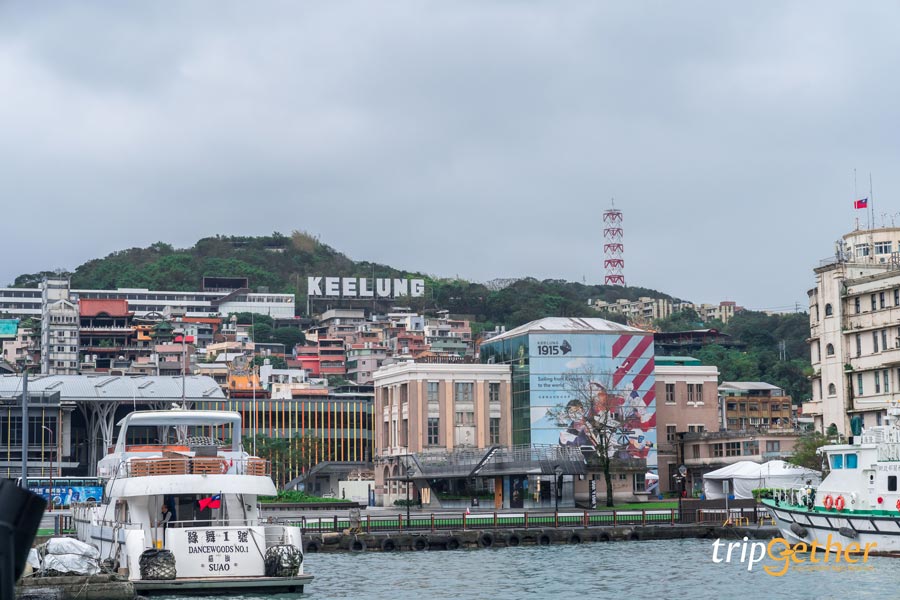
<point>854,313</point>
<point>59,329</point>
<point>27,302</point>
<point>650,309</point>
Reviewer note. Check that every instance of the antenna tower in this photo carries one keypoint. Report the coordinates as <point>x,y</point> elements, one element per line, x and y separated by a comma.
<point>613,248</point>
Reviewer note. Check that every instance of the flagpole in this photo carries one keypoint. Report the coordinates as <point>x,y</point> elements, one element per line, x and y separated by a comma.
<point>871,200</point>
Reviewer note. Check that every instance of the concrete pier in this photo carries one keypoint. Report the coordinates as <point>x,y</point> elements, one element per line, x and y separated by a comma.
<point>511,537</point>
<point>66,587</point>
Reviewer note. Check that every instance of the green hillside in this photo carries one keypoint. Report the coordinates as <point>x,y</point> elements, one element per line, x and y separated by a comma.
<point>282,263</point>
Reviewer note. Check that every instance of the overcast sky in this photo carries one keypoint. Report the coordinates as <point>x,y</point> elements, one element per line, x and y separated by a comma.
<point>480,139</point>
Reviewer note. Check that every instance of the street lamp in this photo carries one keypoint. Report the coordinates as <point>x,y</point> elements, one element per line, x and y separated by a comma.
<point>559,473</point>
<point>50,431</point>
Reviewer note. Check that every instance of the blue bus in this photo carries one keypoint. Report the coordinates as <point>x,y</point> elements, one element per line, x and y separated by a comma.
<point>66,490</point>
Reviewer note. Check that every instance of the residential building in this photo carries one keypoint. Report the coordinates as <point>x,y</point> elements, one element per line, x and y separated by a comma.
<point>646,310</point>
<point>854,312</point>
<point>685,343</point>
<point>363,360</point>
<point>59,329</point>
<point>754,405</point>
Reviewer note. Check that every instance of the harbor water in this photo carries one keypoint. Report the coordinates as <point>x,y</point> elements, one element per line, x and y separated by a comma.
<point>639,569</point>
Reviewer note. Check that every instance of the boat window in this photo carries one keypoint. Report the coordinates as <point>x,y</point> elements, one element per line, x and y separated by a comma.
<point>892,483</point>
<point>851,461</point>
<point>837,461</point>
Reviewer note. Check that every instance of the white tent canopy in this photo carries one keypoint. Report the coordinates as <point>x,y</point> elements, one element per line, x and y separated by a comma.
<point>746,476</point>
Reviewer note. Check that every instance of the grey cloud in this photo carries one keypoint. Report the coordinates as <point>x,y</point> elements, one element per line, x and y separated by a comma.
<point>475,138</point>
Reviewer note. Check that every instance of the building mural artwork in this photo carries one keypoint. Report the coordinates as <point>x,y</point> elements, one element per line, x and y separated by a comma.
<point>617,370</point>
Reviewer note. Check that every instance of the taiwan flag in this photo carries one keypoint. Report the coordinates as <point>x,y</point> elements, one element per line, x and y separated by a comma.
<point>861,203</point>
<point>214,502</point>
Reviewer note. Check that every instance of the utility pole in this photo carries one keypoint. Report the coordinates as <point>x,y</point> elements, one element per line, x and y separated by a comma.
<point>25,428</point>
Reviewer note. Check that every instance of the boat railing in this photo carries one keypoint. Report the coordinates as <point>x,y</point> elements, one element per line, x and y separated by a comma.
<point>165,466</point>
<point>199,523</point>
<point>798,496</point>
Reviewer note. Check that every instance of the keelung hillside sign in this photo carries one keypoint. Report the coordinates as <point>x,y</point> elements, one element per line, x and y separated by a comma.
<point>363,287</point>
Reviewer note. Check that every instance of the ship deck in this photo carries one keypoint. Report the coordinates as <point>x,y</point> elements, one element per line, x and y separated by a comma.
<point>220,585</point>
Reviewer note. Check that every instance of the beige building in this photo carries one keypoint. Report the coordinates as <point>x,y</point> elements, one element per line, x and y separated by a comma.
<point>686,402</point>
<point>421,407</point>
<point>854,313</point>
<point>646,309</point>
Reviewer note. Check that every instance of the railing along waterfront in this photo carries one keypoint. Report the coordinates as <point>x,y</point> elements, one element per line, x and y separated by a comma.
<point>531,520</point>
<point>152,467</point>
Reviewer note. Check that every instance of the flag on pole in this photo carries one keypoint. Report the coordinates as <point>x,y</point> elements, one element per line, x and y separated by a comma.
<point>213,502</point>
<point>861,203</point>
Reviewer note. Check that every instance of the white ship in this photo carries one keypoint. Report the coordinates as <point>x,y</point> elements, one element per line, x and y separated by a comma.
<point>857,503</point>
<point>215,534</point>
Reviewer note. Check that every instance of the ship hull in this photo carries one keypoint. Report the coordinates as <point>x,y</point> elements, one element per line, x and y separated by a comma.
<point>880,534</point>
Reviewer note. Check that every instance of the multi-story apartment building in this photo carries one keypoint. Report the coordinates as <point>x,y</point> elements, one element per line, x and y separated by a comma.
<point>754,404</point>
<point>363,360</point>
<point>854,312</point>
<point>646,309</point>
<point>59,329</point>
<point>23,303</point>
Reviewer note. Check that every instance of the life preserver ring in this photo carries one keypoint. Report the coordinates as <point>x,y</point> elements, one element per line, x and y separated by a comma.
<point>839,503</point>
<point>898,504</point>
<point>829,502</point>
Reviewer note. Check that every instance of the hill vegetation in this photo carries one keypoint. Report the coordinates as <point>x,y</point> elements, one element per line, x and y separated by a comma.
<point>281,264</point>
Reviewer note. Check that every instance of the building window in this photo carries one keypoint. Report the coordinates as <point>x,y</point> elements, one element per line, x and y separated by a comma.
<point>859,384</point>
<point>464,392</point>
<point>829,350</point>
<point>717,451</point>
<point>858,345</point>
<point>874,299</point>
<point>670,393</point>
<point>639,483</point>
<point>881,300</point>
<point>434,427</point>
<point>751,448</point>
<point>828,310</point>
<point>884,344</point>
<point>696,451</point>
<point>875,341</point>
<point>494,430</point>
<point>690,392</point>
<point>884,380</point>
<point>773,446</point>
<point>432,392</point>
<point>877,383</point>
<point>882,247</point>
<point>670,433</point>
<point>494,393</point>
<point>856,306</point>
<point>733,449</point>
<point>832,390</point>
<point>896,296</point>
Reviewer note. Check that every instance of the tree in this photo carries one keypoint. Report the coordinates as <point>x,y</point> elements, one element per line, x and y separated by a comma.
<point>806,450</point>
<point>594,417</point>
<point>261,333</point>
<point>289,336</point>
<point>287,455</point>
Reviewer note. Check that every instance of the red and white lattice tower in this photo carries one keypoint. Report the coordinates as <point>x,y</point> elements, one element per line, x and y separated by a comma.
<point>613,248</point>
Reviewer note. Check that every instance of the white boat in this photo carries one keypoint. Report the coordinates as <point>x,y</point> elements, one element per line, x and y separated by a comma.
<point>215,534</point>
<point>857,503</point>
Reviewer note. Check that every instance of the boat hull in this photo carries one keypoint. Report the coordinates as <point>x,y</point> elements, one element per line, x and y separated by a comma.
<point>881,534</point>
<point>223,585</point>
